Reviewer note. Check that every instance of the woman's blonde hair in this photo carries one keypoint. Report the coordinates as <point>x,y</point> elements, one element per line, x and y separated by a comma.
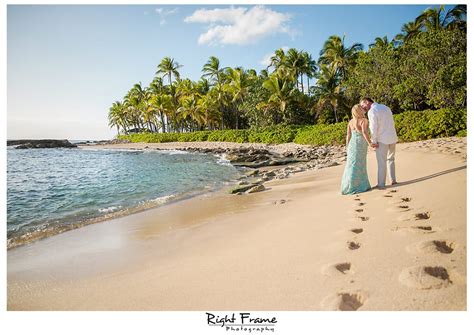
<point>358,112</point>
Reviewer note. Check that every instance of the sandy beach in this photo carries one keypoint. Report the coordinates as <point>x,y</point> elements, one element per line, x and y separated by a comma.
<point>299,245</point>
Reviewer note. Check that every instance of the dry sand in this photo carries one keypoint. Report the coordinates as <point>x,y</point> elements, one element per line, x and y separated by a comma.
<point>299,245</point>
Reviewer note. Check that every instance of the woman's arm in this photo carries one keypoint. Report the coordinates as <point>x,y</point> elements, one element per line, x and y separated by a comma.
<point>349,133</point>
<point>365,132</point>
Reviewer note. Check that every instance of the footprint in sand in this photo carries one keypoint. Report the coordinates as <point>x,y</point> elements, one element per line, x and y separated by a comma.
<point>390,194</point>
<point>357,230</point>
<point>280,202</point>
<point>399,208</point>
<point>345,301</point>
<point>352,245</point>
<point>338,269</point>
<point>433,246</point>
<point>422,216</point>
<point>425,277</point>
<point>358,210</point>
<point>361,204</point>
<point>416,229</point>
<point>400,201</point>
<point>416,216</point>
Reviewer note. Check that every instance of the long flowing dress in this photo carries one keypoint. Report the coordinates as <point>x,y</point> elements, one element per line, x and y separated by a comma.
<point>355,179</point>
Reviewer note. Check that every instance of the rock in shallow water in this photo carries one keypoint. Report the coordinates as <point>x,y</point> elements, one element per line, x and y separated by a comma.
<point>241,188</point>
<point>38,144</point>
<point>258,188</point>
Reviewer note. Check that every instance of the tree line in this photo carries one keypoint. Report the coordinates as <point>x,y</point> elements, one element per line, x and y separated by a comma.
<point>423,67</point>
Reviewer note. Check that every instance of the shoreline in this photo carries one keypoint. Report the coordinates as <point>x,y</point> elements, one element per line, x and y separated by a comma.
<point>298,245</point>
<point>218,149</point>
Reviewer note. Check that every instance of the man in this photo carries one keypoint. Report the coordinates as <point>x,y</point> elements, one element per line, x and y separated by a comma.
<point>384,137</point>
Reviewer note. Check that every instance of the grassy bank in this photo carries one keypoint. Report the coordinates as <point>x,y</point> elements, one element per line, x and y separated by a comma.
<point>411,126</point>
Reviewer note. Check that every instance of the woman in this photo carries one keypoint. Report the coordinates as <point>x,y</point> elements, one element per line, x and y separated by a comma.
<point>355,179</point>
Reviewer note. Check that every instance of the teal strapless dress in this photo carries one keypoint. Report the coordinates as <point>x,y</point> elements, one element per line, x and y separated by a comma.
<point>355,179</point>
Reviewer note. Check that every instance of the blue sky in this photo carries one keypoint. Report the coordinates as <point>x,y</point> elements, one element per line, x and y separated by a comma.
<point>67,64</point>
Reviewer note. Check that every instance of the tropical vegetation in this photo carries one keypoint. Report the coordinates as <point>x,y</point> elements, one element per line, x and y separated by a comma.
<point>299,98</point>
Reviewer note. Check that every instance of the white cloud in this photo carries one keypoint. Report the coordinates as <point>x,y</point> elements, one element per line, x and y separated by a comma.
<point>163,13</point>
<point>267,58</point>
<point>239,25</point>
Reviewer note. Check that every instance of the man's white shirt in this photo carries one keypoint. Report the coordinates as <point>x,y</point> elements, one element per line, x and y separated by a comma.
<point>381,124</point>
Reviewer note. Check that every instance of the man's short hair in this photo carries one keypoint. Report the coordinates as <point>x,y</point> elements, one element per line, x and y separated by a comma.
<point>367,99</point>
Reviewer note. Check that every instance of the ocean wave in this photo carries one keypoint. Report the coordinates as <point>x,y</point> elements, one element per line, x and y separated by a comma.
<point>109,209</point>
<point>221,160</point>
<point>163,199</point>
<point>174,152</point>
<point>112,149</point>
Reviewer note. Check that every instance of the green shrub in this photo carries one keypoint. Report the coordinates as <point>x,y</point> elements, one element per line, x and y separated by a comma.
<point>411,126</point>
<point>416,126</point>
<point>231,135</point>
<point>151,137</point>
<point>274,135</point>
<point>323,134</point>
<point>196,136</point>
<point>462,133</point>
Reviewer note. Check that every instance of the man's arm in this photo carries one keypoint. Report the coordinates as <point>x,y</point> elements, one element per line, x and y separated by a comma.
<point>373,126</point>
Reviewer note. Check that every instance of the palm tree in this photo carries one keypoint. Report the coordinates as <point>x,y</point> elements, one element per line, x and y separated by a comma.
<point>456,18</point>
<point>431,19</point>
<point>381,42</point>
<point>337,56</point>
<point>135,104</point>
<point>328,90</point>
<point>191,109</point>
<point>210,108</point>
<point>409,30</point>
<point>213,71</point>
<point>168,67</point>
<point>277,60</point>
<point>203,86</point>
<point>309,66</point>
<point>117,116</point>
<point>161,103</point>
<point>281,94</point>
<point>179,90</point>
<point>240,81</point>
<point>296,66</point>
<point>263,74</point>
<point>157,89</point>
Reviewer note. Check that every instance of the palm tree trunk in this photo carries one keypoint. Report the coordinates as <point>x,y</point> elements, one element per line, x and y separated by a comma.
<point>222,118</point>
<point>162,117</point>
<point>307,77</point>
<point>335,112</point>
<point>236,118</point>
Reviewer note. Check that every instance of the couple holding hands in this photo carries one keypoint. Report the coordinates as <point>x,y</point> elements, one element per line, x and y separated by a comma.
<point>382,138</point>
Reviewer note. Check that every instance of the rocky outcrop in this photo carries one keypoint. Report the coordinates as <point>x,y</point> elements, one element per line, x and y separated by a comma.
<point>264,165</point>
<point>36,144</point>
<point>249,157</point>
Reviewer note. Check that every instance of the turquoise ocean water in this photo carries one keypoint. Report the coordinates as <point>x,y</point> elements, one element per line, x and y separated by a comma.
<point>52,190</point>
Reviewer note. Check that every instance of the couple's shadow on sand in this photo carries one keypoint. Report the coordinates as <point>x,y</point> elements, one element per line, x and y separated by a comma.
<point>434,175</point>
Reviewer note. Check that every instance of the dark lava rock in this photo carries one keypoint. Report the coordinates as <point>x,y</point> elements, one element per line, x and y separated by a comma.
<point>37,144</point>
